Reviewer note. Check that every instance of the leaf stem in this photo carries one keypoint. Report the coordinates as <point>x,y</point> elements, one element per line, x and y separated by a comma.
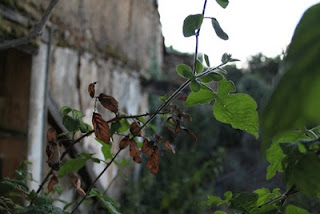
<point>197,39</point>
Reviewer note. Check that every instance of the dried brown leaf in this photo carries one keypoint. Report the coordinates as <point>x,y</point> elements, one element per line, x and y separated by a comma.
<point>91,89</point>
<point>154,161</point>
<point>53,154</point>
<point>147,147</point>
<point>137,159</point>
<point>76,182</point>
<point>135,129</point>
<point>52,135</point>
<point>186,116</point>
<point>81,192</point>
<point>101,128</point>
<point>189,132</point>
<point>53,181</point>
<point>169,147</point>
<point>124,142</point>
<point>109,102</point>
<point>183,98</point>
<point>135,152</point>
<point>158,138</point>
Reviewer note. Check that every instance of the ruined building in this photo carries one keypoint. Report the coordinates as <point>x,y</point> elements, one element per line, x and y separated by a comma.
<point>117,43</point>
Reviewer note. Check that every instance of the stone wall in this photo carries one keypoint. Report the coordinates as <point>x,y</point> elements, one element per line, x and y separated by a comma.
<point>113,42</point>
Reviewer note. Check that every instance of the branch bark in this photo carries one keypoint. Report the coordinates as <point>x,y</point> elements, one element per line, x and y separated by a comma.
<point>36,32</point>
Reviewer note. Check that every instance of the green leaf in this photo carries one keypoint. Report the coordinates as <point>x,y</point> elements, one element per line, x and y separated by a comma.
<point>302,148</point>
<point>206,58</point>
<point>195,86</point>
<point>239,110</point>
<point>164,97</point>
<point>211,77</point>
<point>203,96</point>
<point>83,126</point>
<point>106,201</point>
<point>212,200</point>
<point>225,87</point>
<point>245,202</point>
<point>303,171</point>
<point>220,33</point>
<point>9,185</point>
<point>234,60</point>
<point>105,149</point>
<point>77,114</point>
<point>42,200</point>
<point>114,127</point>
<point>219,212</point>
<point>184,71</point>
<point>295,101</point>
<point>65,110</point>
<point>264,195</point>
<point>74,164</point>
<point>70,123</point>
<point>215,76</point>
<point>205,79</point>
<point>125,126</point>
<point>226,58</point>
<point>291,209</point>
<point>46,208</point>
<point>275,154</point>
<point>223,3</point>
<point>199,67</point>
<point>227,196</point>
<point>222,71</point>
<point>191,24</point>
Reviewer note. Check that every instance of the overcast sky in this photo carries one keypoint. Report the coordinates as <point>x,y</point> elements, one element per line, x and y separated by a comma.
<point>253,26</point>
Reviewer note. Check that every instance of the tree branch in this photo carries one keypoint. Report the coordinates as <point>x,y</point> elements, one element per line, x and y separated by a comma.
<point>197,40</point>
<point>35,32</point>
<point>282,198</point>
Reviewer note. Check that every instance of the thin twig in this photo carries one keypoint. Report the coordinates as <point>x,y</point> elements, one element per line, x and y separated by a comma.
<point>95,181</point>
<point>197,40</point>
<point>133,116</point>
<point>78,140</point>
<point>282,197</point>
<point>35,32</point>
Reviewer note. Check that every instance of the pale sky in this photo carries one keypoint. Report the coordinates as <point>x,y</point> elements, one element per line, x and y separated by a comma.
<point>253,26</point>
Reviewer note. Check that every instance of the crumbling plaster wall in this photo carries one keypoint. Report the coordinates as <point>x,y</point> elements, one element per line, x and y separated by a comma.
<point>127,28</point>
<point>113,42</point>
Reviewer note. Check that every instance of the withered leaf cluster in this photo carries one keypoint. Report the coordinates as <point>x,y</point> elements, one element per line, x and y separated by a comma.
<point>134,150</point>
<point>76,182</point>
<point>53,181</point>
<point>174,122</point>
<point>52,149</point>
<point>153,152</point>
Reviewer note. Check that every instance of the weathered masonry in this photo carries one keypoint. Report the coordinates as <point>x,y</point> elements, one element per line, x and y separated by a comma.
<point>116,43</point>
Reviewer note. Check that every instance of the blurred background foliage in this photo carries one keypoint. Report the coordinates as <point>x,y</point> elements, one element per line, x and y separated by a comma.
<point>222,159</point>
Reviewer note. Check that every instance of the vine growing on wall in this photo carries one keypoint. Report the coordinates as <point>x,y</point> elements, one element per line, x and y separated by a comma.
<point>291,145</point>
